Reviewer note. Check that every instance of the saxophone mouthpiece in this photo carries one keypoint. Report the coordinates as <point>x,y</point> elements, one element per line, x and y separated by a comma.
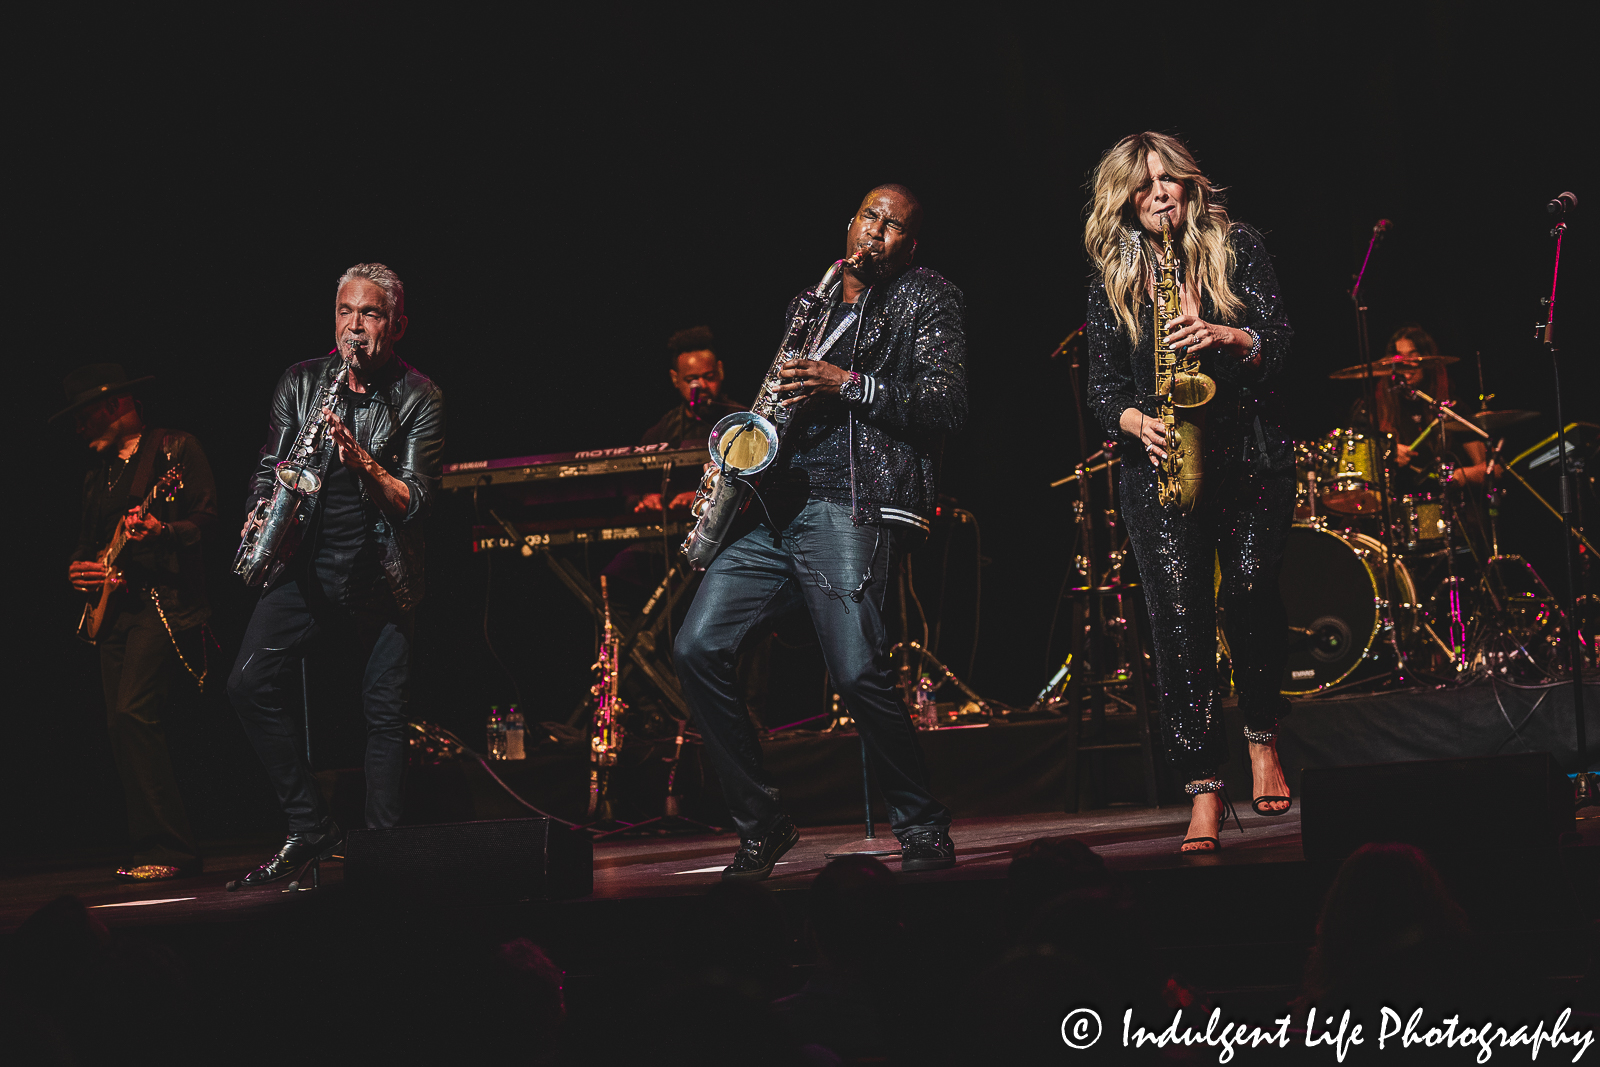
<point>859,258</point>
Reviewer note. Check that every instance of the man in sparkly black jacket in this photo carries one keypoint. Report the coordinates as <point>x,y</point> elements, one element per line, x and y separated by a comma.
<point>851,493</point>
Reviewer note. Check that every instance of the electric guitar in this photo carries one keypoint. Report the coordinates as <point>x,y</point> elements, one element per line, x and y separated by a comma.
<point>94,613</point>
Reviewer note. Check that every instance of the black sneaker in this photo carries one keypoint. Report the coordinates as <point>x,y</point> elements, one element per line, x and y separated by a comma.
<point>927,848</point>
<point>756,856</point>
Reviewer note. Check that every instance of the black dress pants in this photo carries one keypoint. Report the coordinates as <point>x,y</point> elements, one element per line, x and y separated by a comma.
<point>1242,526</point>
<point>137,670</point>
<point>815,565</point>
<point>264,688</point>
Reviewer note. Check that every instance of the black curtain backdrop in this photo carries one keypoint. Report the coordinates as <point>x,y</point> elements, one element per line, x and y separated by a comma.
<point>561,194</point>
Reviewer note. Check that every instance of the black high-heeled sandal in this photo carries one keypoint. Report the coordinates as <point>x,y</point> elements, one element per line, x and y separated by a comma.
<point>1265,737</point>
<point>1194,789</point>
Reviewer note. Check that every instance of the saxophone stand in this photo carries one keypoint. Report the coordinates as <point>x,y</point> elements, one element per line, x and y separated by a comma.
<point>669,821</point>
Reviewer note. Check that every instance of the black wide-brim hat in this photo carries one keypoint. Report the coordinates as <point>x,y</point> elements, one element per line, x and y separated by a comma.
<point>88,385</point>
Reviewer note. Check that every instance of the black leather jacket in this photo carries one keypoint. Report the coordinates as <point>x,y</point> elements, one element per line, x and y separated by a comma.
<point>404,431</point>
<point>912,349</point>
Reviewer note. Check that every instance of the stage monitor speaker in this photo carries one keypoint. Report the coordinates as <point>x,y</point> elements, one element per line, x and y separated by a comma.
<point>1488,804</point>
<point>499,861</point>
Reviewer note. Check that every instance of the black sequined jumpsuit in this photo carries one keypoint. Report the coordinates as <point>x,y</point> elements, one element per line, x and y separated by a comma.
<point>1242,521</point>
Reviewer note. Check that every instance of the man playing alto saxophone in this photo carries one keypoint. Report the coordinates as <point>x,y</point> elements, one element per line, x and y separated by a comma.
<point>353,578</point>
<point>851,492</point>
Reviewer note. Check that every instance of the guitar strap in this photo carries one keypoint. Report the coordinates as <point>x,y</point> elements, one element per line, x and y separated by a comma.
<point>155,442</point>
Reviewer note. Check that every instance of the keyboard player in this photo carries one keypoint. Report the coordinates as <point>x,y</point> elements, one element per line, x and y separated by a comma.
<point>697,374</point>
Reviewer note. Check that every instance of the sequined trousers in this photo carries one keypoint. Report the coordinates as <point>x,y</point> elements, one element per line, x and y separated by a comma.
<point>1242,525</point>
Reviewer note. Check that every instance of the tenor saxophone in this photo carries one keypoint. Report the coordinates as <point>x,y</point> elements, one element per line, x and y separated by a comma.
<point>1182,391</point>
<point>294,482</point>
<point>746,443</point>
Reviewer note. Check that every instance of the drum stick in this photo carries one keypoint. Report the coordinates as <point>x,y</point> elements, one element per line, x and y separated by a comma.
<point>1423,436</point>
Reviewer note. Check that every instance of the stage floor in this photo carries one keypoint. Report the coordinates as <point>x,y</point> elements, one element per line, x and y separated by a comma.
<point>1130,839</point>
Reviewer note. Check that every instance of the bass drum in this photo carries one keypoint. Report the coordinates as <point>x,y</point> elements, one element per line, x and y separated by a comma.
<point>1332,585</point>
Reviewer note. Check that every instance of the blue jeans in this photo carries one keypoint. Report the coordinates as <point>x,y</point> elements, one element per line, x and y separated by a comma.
<point>817,563</point>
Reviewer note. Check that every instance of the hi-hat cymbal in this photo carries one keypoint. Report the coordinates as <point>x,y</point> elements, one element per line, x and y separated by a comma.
<point>1388,365</point>
<point>1495,421</point>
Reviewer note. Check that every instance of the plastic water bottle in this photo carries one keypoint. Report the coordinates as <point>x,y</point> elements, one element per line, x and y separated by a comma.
<point>497,733</point>
<point>513,729</point>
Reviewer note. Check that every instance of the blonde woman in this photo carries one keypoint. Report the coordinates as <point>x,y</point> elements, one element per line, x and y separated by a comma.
<point>1233,320</point>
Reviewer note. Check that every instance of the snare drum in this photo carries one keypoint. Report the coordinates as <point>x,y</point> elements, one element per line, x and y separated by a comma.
<point>1420,526</point>
<point>1353,489</point>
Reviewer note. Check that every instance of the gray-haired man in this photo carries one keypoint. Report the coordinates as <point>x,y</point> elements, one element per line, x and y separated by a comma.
<point>353,576</point>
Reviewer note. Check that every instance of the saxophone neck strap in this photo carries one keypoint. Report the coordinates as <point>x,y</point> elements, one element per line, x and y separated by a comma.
<point>838,331</point>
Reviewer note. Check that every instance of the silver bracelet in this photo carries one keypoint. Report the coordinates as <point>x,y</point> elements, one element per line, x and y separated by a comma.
<point>1255,345</point>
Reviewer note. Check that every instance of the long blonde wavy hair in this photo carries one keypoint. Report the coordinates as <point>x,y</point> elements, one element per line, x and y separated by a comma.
<point>1203,242</point>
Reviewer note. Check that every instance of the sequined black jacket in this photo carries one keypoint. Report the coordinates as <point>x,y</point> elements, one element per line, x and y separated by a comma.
<point>1246,421</point>
<point>911,350</point>
<point>403,430</point>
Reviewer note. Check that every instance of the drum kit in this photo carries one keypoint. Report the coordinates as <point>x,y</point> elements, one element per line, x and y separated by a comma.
<point>1416,589</point>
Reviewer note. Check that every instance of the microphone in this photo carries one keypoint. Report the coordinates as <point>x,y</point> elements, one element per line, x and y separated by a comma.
<point>1382,227</point>
<point>694,396</point>
<point>1562,204</point>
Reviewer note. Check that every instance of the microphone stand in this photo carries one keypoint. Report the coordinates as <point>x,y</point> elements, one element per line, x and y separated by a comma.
<point>1567,496</point>
<point>1364,354</point>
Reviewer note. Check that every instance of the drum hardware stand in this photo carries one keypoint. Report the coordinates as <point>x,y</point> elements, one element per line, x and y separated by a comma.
<point>1568,493</point>
<point>1477,648</point>
<point>1083,676</point>
<point>1364,352</point>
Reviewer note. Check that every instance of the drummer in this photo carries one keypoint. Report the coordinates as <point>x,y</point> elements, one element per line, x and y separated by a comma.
<point>1416,359</point>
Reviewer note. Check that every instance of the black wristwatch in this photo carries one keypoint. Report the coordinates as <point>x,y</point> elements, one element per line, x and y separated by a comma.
<point>853,391</point>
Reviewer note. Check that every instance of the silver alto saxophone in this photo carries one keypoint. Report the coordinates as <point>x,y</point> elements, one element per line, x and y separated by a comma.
<point>746,443</point>
<point>294,482</point>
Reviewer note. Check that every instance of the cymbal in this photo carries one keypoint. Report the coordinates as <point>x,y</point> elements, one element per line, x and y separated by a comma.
<point>1494,421</point>
<point>1389,364</point>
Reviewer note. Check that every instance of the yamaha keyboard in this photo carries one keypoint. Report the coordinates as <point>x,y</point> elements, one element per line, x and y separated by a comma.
<point>559,466</point>
<point>550,534</point>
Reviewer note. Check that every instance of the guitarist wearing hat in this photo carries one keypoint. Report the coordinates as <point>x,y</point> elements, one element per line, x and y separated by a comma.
<point>148,498</point>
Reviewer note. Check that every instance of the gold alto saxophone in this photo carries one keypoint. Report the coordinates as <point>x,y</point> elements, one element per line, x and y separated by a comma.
<point>746,443</point>
<point>605,738</point>
<point>1183,391</point>
<point>294,482</point>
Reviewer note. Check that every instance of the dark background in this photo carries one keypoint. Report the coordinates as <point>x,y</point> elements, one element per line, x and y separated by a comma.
<point>560,196</point>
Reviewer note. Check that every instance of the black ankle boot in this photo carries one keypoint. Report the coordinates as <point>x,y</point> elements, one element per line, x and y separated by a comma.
<point>757,856</point>
<point>300,851</point>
